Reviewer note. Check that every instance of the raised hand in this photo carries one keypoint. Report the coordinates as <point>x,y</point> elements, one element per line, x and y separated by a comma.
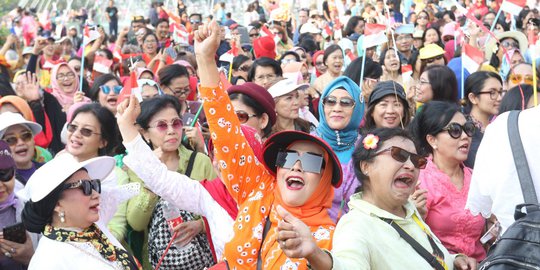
<point>39,45</point>
<point>126,116</point>
<point>294,236</point>
<point>30,87</point>
<point>207,39</point>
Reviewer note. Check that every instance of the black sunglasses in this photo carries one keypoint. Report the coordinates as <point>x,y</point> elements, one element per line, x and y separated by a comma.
<point>344,102</point>
<point>433,59</point>
<point>7,174</point>
<point>310,162</point>
<point>455,130</point>
<point>86,185</point>
<point>402,155</point>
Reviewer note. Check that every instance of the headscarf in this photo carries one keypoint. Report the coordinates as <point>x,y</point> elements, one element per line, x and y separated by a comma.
<point>65,98</point>
<point>315,56</point>
<point>347,137</point>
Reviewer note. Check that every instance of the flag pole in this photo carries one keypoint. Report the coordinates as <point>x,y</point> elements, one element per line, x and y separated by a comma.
<point>494,24</point>
<point>462,90</point>
<point>230,72</point>
<point>81,76</point>
<point>361,81</point>
<point>535,78</point>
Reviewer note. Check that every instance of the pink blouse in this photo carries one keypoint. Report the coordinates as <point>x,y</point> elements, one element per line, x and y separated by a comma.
<point>457,228</point>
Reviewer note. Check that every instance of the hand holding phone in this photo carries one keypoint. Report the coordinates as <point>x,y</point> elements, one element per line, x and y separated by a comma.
<point>15,233</point>
<point>493,232</point>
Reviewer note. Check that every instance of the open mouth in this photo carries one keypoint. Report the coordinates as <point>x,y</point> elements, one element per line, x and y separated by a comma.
<point>404,181</point>
<point>464,147</point>
<point>95,207</point>
<point>75,144</point>
<point>21,152</point>
<point>112,101</point>
<point>294,183</point>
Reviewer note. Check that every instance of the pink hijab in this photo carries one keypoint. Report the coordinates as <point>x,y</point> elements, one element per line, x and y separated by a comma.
<point>65,98</point>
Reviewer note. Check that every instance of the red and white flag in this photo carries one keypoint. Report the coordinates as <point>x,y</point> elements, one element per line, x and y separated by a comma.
<point>180,34</point>
<point>130,87</point>
<point>513,7</point>
<point>230,54</point>
<point>90,34</point>
<point>351,55</point>
<point>374,34</point>
<point>265,32</point>
<point>102,64</point>
<point>472,58</point>
<point>326,32</point>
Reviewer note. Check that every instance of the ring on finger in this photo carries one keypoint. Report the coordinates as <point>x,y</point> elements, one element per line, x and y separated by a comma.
<point>7,254</point>
<point>13,250</point>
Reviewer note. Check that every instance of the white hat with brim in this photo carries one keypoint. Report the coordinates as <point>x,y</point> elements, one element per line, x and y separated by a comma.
<point>56,171</point>
<point>284,87</point>
<point>518,36</point>
<point>9,119</point>
<point>309,27</point>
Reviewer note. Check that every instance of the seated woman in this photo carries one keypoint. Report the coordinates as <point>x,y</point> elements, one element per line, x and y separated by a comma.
<point>13,255</point>
<point>64,205</point>
<point>387,107</point>
<point>383,225</point>
<point>302,187</point>
<point>443,132</point>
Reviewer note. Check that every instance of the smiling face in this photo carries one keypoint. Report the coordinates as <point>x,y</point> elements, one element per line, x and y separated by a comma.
<point>80,210</point>
<point>319,64</point>
<point>162,30</point>
<point>390,182</point>
<point>483,101</point>
<point>424,92</point>
<point>431,37</point>
<point>287,105</point>
<point>23,151</point>
<point>448,148</point>
<point>80,146</point>
<point>168,140</point>
<point>296,185</point>
<point>334,62</point>
<point>66,79</point>
<point>337,116</point>
<point>150,45</point>
<point>6,188</point>
<point>109,101</point>
<point>391,62</point>
<point>388,112</point>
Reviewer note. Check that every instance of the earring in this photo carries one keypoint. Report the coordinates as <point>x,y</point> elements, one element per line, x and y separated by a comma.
<point>366,173</point>
<point>62,217</point>
<point>434,147</point>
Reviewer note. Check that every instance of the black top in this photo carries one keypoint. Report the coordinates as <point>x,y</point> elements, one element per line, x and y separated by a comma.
<point>113,13</point>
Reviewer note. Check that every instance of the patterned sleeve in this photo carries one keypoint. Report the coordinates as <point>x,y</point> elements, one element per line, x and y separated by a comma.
<point>240,170</point>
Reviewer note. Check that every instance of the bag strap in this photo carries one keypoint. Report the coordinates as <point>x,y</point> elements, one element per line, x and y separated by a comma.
<point>190,164</point>
<point>520,160</point>
<point>267,225</point>
<point>430,258</point>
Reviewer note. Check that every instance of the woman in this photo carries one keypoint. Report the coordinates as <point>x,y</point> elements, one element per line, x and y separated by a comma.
<point>341,112</point>
<point>422,20</point>
<point>64,85</point>
<point>333,60</point>
<point>518,98</point>
<point>105,91</point>
<point>484,92</point>
<point>13,255</point>
<point>240,67</point>
<point>66,209</point>
<point>437,83</point>
<point>161,127</point>
<point>387,164</point>
<point>305,190</point>
<point>264,71</point>
<point>391,64</point>
<point>149,89</point>
<point>318,63</point>
<point>174,80</point>
<point>287,99</point>
<point>432,54</point>
<point>387,107</point>
<point>355,25</point>
<point>372,74</point>
<point>150,47</point>
<point>251,14</point>
<point>432,36</point>
<point>444,133</point>
<point>520,74</point>
<point>19,134</point>
<point>289,57</point>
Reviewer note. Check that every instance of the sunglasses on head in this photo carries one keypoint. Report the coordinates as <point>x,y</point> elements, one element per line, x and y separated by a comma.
<point>402,155</point>
<point>244,116</point>
<point>12,140</point>
<point>86,132</point>
<point>7,174</point>
<point>433,59</point>
<point>163,125</point>
<point>86,185</point>
<point>107,89</point>
<point>310,162</point>
<point>345,102</point>
<point>518,78</point>
<point>455,130</point>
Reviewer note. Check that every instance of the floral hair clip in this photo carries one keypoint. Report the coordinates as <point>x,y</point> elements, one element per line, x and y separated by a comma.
<point>370,142</point>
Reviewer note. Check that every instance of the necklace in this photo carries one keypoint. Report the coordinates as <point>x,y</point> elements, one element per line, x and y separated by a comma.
<point>340,143</point>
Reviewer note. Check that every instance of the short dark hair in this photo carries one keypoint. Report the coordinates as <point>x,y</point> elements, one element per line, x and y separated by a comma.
<point>383,55</point>
<point>93,94</point>
<point>331,49</point>
<point>171,72</point>
<point>513,100</point>
<point>372,69</point>
<point>152,106</point>
<point>443,83</point>
<point>238,61</point>
<point>293,53</point>
<point>264,62</point>
<point>475,83</point>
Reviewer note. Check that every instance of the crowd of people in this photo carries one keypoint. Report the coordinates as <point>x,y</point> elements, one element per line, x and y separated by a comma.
<point>285,139</point>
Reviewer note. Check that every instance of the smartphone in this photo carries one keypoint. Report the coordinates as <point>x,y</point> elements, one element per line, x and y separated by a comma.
<point>15,233</point>
<point>495,228</point>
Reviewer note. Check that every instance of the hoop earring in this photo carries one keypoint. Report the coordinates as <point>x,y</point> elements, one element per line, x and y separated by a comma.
<point>62,216</point>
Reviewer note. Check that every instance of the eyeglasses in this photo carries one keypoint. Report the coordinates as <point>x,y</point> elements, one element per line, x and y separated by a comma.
<point>433,59</point>
<point>422,17</point>
<point>68,76</point>
<point>163,125</point>
<point>455,130</point>
<point>494,94</point>
<point>518,78</point>
<point>287,61</point>
<point>244,68</point>
<point>244,116</point>
<point>86,132</point>
<point>402,155</point>
<point>404,38</point>
<point>317,63</point>
<point>181,91</point>
<point>86,185</point>
<point>306,76</point>
<point>194,21</point>
<point>12,140</point>
<point>107,89</point>
<point>310,162</point>
<point>7,174</point>
<point>253,35</point>
<point>510,44</point>
<point>303,56</point>
<point>345,102</point>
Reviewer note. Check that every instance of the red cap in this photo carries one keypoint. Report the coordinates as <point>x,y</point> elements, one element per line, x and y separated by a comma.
<point>264,47</point>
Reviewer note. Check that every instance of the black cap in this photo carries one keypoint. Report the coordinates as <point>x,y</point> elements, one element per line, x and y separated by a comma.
<point>386,88</point>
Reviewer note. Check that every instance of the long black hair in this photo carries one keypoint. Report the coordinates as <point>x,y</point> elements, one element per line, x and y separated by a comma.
<point>513,100</point>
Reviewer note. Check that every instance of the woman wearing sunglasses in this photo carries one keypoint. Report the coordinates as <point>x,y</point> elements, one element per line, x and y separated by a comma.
<point>161,125</point>
<point>443,132</point>
<point>520,74</point>
<point>105,91</point>
<point>65,206</point>
<point>430,55</point>
<point>341,112</point>
<point>19,134</point>
<point>383,225</point>
<point>13,254</point>
<point>484,94</point>
<point>299,173</point>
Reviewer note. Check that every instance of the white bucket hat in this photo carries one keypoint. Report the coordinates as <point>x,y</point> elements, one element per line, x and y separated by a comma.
<point>284,87</point>
<point>9,119</point>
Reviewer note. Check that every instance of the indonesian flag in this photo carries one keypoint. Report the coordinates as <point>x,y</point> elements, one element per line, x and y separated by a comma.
<point>472,58</point>
<point>374,35</point>
<point>406,70</point>
<point>180,34</point>
<point>89,35</point>
<point>117,55</point>
<point>513,7</point>
<point>327,31</point>
<point>102,64</point>
<point>266,32</point>
<point>224,80</point>
<point>351,55</point>
<point>230,54</point>
<point>130,87</point>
